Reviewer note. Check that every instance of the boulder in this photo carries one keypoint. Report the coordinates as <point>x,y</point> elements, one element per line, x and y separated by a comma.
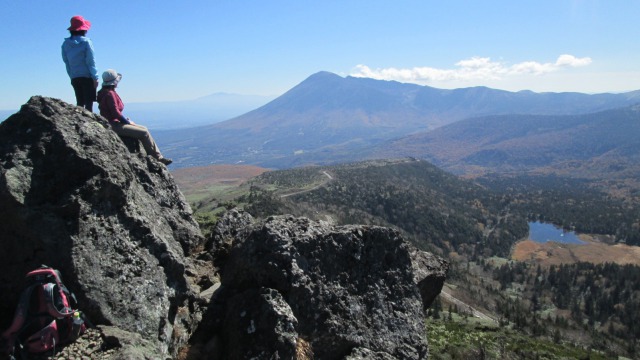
<point>72,196</point>
<point>235,224</point>
<point>430,272</point>
<point>332,292</point>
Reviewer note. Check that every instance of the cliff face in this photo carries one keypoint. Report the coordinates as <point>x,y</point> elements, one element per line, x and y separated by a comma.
<point>73,197</point>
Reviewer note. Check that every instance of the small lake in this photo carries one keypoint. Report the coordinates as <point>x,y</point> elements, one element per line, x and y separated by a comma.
<point>543,232</point>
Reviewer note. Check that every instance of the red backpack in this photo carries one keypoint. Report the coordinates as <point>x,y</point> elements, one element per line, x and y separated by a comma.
<point>44,317</point>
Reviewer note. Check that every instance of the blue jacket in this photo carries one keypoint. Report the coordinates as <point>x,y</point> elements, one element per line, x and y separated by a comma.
<point>77,54</point>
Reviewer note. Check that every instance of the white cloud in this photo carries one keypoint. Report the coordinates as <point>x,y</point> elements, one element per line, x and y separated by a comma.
<point>473,69</point>
<point>570,60</point>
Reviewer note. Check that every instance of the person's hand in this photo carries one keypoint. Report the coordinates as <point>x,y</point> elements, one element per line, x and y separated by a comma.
<point>95,84</point>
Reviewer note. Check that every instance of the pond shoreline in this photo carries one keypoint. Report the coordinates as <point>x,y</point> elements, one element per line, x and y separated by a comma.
<point>542,232</point>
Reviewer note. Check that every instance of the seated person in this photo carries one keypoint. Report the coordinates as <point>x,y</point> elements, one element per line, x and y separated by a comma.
<point>111,107</point>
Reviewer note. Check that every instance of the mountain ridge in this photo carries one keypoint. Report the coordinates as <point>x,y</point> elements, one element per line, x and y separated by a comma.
<point>529,142</point>
<point>326,118</point>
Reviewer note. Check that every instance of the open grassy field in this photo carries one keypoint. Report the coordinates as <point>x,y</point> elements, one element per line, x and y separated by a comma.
<point>593,251</point>
<point>197,183</point>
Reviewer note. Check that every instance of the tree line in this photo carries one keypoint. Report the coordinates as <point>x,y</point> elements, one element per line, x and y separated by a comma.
<point>602,298</point>
<point>434,209</point>
<point>574,204</point>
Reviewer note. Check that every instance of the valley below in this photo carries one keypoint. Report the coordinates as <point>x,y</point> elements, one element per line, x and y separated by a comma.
<point>502,285</point>
<point>462,174</point>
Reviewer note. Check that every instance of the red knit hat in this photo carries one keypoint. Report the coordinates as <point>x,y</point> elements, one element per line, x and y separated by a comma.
<point>78,23</point>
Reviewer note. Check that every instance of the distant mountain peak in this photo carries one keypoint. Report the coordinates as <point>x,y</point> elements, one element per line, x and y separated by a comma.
<point>321,77</point>
<point>324,75</point>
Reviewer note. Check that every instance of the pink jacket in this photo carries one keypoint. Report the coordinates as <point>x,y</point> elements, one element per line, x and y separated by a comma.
<point>111,105</point>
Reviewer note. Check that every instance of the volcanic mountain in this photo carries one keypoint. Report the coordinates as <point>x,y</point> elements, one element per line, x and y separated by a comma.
<point>326,117</point>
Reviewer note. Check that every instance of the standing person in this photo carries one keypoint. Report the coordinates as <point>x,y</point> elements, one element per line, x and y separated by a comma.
<point>77,54</point>
<point>111,106</point>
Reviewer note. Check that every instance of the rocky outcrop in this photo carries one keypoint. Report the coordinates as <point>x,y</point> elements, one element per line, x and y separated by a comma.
<point>75,196</point>
<point>295,286</point>
<point>72,196</point>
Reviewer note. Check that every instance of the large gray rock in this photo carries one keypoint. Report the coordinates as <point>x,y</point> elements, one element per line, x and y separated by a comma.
<point>72,196</point>
<point>342,291</point>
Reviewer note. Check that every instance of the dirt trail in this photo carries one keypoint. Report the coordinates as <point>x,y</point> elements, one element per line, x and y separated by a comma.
<point>329,178</point>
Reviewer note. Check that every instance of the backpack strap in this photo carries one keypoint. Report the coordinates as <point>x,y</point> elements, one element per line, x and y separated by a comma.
<point>50,291</point>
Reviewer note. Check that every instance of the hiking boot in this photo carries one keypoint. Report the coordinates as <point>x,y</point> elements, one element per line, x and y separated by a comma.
<point>165,160</point>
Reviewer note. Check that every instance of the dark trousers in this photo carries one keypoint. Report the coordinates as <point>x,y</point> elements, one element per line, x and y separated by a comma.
<point>85,92</point>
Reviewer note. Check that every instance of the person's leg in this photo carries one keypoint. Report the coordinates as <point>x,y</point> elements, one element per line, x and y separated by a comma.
<point>77,89</point>
<point>141,133</point>
<point>89,93</point>
<point>85,92</point>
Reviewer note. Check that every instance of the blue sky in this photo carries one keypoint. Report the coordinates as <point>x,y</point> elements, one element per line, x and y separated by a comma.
<point>181,50</point>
